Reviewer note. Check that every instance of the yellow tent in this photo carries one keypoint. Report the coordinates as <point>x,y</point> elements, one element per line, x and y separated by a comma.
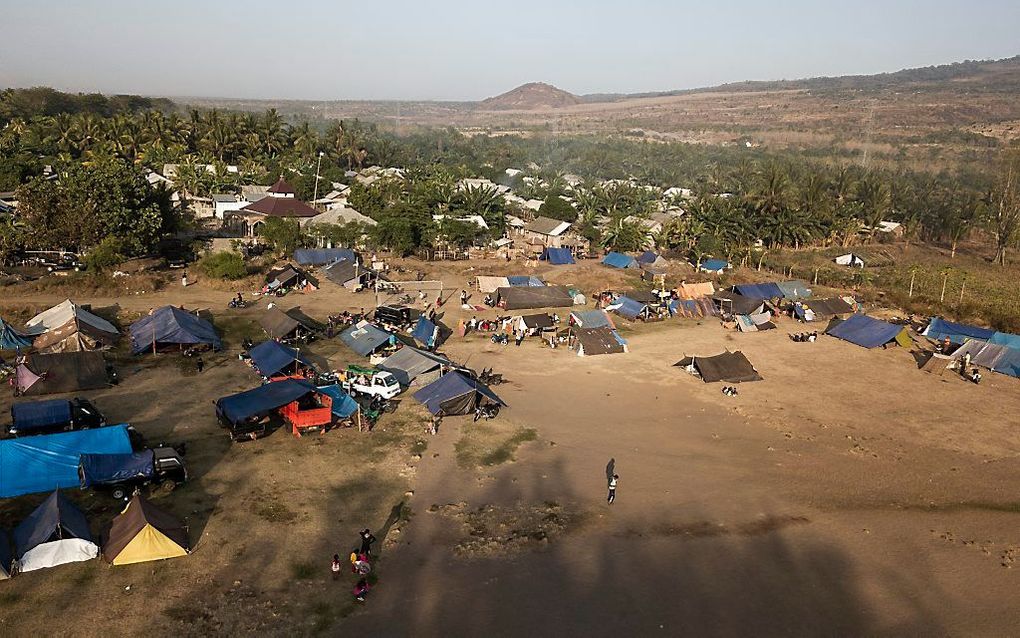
<point>142,533</point>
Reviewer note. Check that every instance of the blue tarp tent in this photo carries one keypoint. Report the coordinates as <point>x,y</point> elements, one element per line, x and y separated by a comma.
<point>425,332</point>
<point>647,257</point>
<point>10,339</point>
<point>115,467</point>
<point>629,308</point>
<point>1005,339</point>
<point>365,338</point>
<point>270,357</point>
<point>40,414</point>
<point>455,393</point>
<point>938,329</point>
<point>343,405</point>
<point>55,518</point>
<point>869,332</point>
<point>759,291</point>
<point>591,319</point>
<point>262,400</point>
<point>619,260</point>
<point>794,289</point>
<point>323,256</point>
<point>558,256</point>
<point>42,463</point>
<point>172,325</point>
<point>525,281</point>
<point>714,265</point>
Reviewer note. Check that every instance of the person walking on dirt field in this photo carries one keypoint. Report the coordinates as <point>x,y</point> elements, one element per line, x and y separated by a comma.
<point>612,489</point>
<point>335,566</point>
<point>366,542</point>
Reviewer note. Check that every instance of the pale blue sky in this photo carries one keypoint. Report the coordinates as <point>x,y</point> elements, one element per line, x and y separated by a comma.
<point>459,50</point>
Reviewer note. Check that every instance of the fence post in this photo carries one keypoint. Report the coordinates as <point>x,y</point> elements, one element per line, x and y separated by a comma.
<point>910,293</point>
<point>945,278</point>
<point>816,277</point>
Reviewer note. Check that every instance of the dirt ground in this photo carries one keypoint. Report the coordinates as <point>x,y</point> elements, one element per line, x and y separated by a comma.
<point>848,493</point>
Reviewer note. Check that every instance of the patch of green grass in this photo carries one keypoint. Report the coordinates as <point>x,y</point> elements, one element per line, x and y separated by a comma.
<point>419,447</point>
<point>302,571</point>
<point>269,508</point>
<point>483,445</point>
<point>9,597</point>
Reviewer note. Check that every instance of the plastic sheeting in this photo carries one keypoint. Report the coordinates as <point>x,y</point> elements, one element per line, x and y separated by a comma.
<point>629,308</point>
<point>40,463</point>
<point>619,260</point>
<point>794,289</point>
<point>172,325</point>
<point>995,357</point>
<point>714,265</point>
<point>365,338</point>
<point>455,394</point>
<point>343,404</point>
<point>558,256</point>
<point>270,357</point>
<point>262,400</point>
<point>40,414</point>
<point>522,298</point>
<point>105,468</point>
<point>55,533</point>
<point>1005,339</point>
<point>866,331</point>
<point>591,319</point>
<point>323,256</point>
<point>760,291</point>
<point>11,339</point>
<point>425,332</point>
<point>938,329</point>
<point>408,363</point>
<point>732,367</point>
<point>525,280</point>
<point>491,284</point>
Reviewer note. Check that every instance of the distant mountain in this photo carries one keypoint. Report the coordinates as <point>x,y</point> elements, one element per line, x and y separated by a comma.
<point>530,97</point>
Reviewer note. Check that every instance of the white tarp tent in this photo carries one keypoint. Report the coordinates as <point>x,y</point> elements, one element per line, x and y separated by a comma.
<point>490,284</point>
<point>850,259</point>
<point>62,313</point>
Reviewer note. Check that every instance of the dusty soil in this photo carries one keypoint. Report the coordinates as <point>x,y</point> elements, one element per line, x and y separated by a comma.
<point>848,493</point>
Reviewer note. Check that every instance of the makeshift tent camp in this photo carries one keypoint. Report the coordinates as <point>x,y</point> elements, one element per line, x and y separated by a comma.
<point>425,332</point>
<point>39,463</point>
<point>732,367</point>
<point>995,357</point>
<point>454,394</point>
<point>558,256</point>
<point>714,266</point>
<point>61,372</point>
<point>261,401</point>
<point>525,280</point>
<point>365,338</point>
<point>491,284</point>
<point>323,256</point>
<point>271,359</point>
<point>794,289</point>
<point>833,307</point>
<point>759,291</point>
<point>869,332</point>
<point>412,366</point>
<point>629,308</point>
<point>6,559</point>
<point>172,326</point>
<point>54,534</point>
<point>141,533</point>
<point>619,260</point>
<point>738,304</point>
<point>522,298</point>
<point>288,277</point>
<point>601,340</point>
<point>11,339</point>
<point>67,327</point>
<point>280,325</point>
<point>591,319</point>
<point>537,322</point>
<point>344,406</point>
<point>938,329</point>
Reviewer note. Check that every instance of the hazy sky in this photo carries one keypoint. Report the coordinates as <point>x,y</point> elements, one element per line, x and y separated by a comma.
<point>459,50</point>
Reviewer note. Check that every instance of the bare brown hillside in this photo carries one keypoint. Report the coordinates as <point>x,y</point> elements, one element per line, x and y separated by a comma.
<point>529,97</point>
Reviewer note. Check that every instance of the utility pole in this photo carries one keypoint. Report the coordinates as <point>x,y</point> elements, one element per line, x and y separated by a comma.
<point>318,164</point>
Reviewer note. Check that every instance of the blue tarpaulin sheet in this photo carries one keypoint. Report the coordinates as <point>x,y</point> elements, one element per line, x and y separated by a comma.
<point>323,256</point>
<point>629,308</point>
<point>46,462</point>
<point>759,291</point>
<point>425,332</point>
<point>1005,339</point>
<point>1008,362</point>
<point>647,257</point>
<point>171,325</point>
<point>343,405</point>
<point>714,265</point>
<point>619,260</point>
<point>10,339</point>
<point>271,357</point>
<point>938,329</point>
<point>364,338</point>
<point>262,400</point>
<point>865,331</point>
<point>558,256</point>
<point>105,468</point>
<point>592,318</point>
<point>40,414</point>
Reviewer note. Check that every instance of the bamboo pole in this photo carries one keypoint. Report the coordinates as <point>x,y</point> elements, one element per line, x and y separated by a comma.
<point>910,293</point>
<point>945,279</point>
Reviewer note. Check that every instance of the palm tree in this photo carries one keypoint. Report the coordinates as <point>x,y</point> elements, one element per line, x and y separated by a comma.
<point>875,198</point>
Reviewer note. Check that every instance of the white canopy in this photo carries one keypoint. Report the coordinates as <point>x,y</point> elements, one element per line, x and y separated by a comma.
<point>59,552</point>
<point>63,312</point>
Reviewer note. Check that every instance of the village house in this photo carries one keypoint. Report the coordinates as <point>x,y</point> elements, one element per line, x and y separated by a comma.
<point>280,201</point>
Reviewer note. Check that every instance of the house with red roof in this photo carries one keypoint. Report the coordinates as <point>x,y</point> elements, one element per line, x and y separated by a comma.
<point>280,201</point>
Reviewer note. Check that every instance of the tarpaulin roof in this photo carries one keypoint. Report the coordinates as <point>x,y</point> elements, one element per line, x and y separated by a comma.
<point>647,257</point>
<point>40,414</point>
<point>692,308</point>
<point>61,372</point>
<point>270,357</point>
<point>322,256</point>
<point>365,338</point>
<point>738,304</point>
<point>172,325</point>
<point>522,298</point>
<point>938,329</point>
<point>55,516</point>
<point>408,363</point>
<point>262,400</point>
<point>767,290</point>
<point>541,320</point>
<point>425,332</point>
<point>73,336</point>
<point>714,265</point>
<point>5,555</point>
<point>491,284</point>
<point>63,312</point>
<point>278,323</point>
<point>525,280</point>
<point>732,367</point>
<point>11,339</point>
<point>591,319</point>
<point>695,291</point>
<point>142,532</point>
<point>619,260</point>
<point>344,404</point>
<point>455,393</point>
<point>345,271</point>
<point>600,340</point>
<point>755,322</point>
<point>829,307</point>
<point>41,463</point>
<point>1005,339</point>
<point>995,357</point>
<point>628,307</point>
<point>868,332</point>
<point>558,256</point>
<point>794,289</point>
<point>102,468</point>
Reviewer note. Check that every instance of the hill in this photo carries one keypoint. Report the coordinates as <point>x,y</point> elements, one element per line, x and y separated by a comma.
<point>530,97</point>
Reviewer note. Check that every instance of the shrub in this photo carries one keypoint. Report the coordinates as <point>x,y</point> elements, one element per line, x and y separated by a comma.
<point>107,253</point>
<point>223,265</point>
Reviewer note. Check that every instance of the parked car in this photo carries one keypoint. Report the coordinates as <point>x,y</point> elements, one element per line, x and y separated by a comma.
<point>400,316</point>
<point>366,381</point>
<point>54,415</point>
<point>121,474</point>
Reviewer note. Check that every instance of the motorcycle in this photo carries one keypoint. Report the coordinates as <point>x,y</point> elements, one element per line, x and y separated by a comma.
<point>486,412</point>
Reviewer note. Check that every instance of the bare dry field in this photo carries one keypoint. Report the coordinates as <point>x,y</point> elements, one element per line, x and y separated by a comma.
<point>848,493</point>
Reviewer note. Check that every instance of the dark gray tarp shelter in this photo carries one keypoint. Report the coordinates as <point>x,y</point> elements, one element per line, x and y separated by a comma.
<point>829,307</point>
<point>347,273</point>
<point>171,325</point>
<point>600,340</point>
<point>61,372</point>
<point>323,256</point>
<point>454,394</point>
<point>525,297</point>
<point>732,367</point>
<point>261,401</point>
<point>280,325</point>
<point>411,365</point>
<point>539,321</point>
<point>738,304</point>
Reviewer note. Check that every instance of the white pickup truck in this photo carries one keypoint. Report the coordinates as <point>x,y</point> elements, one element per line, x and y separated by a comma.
<point>376,383</point>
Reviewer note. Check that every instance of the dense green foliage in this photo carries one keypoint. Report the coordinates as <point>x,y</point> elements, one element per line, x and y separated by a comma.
<point>223,265</point>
